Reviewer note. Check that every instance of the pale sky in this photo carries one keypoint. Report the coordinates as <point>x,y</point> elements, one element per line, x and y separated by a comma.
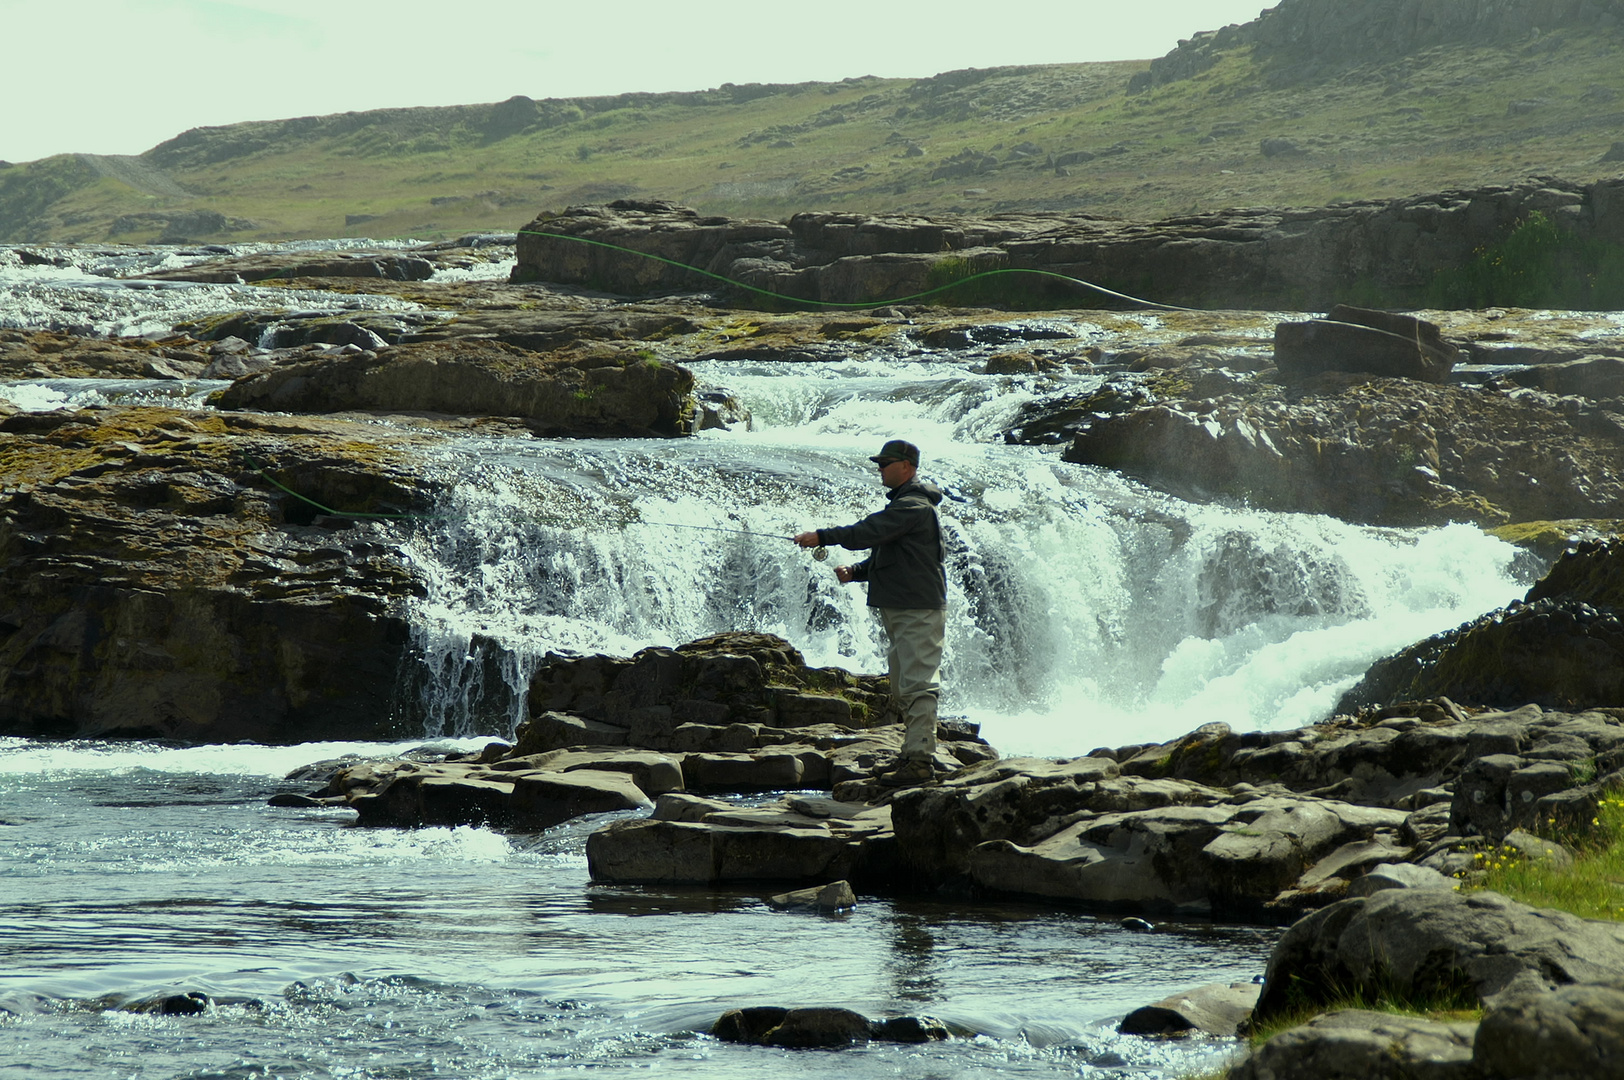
<point>121,76</point>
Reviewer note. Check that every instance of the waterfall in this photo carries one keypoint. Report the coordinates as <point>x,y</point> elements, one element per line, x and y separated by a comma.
<point>1085,609</point>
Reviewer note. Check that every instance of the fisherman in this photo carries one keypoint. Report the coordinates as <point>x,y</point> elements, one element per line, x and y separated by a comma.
<point>908,587</point>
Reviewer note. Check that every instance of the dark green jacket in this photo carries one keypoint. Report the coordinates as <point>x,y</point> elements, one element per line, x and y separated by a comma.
<point>905,570</point>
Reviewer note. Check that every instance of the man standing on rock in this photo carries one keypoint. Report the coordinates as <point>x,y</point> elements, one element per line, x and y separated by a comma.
<point>908,587</point>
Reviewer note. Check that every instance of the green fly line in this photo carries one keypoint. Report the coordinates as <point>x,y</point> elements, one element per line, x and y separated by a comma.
<point>820,553</point>
<point>736,283</point>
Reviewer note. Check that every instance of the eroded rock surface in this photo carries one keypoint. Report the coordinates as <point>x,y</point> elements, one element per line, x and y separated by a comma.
<point>612,393</point>
<point>1243,258</point>
<point>154,584</point>
<point>1561,646</point>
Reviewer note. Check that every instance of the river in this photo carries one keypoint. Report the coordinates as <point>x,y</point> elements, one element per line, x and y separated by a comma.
<point>1086,610</point>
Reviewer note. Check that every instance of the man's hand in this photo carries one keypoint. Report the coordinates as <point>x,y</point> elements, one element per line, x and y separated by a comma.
<point>843,575</point>
<point>807,539</point>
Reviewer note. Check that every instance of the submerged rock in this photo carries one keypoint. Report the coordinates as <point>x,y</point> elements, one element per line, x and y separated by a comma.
<point>829,1028</point>
<point>836,896</point>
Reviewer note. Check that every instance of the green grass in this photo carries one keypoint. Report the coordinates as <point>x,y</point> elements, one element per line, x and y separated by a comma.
<point>1441,1011</point>
<point>1540,265</point>
<point>1592,888</point>
<point>1427,123</point>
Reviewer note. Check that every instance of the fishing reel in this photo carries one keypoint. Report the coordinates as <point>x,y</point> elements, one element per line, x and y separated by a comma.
<point>820,553</point>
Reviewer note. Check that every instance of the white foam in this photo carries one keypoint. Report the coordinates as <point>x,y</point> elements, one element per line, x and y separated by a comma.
<point>19,757</point>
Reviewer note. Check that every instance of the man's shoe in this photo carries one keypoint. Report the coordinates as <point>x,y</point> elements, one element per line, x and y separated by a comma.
<point>909,772</point>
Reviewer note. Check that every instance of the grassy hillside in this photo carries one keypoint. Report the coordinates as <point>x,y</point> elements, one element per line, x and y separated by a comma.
<point>1067,137</point>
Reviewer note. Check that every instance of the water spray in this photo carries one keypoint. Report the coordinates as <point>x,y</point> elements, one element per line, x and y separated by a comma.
<point>820,553</point>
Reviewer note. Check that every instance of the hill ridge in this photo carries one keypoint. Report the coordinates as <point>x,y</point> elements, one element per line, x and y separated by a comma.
<point>1243,124</point>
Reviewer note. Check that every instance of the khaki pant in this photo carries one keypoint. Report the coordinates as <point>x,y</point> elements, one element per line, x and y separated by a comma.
<point>914,655</point>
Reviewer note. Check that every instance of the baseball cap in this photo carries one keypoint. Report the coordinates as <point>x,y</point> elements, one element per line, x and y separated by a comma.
<point>897,450</point>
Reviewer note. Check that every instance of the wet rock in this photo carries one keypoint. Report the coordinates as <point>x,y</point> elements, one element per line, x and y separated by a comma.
<point>610,394</point>
<point>1360,340</point>
<point>1561,647</point>
<point>1596,377</point>
<point>836,896</point>
<point>685,807</point>
<point>528,794</point>
<point>797,1028</point>
<point>233,616</point>
<point>742,845</point>
<point>392,265</point>
<point>910,1029</point>
<point>1215,1009</point>
<point>821,1027</point>
<point>28,354</point>
<point>191,1003</point>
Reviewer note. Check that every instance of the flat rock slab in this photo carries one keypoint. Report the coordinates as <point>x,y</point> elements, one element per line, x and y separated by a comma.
<point>1214,1009</point>
<point>742,845</point>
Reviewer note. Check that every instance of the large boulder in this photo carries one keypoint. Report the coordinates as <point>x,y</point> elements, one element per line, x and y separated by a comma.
<point>1571,1033</point>
<point>729,692</point>
<point>1360,340</point>
<point>1263,858</point>
<point>1371,449</point>
<point>606,393</point>
<point>1357,1044</point>
<point>1436,945</point>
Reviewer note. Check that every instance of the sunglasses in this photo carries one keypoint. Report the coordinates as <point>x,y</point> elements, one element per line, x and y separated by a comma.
<point>887,463</point>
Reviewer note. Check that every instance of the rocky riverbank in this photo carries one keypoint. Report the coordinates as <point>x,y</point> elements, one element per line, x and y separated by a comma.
<point>1360,832</point>
<point>1241,258</point>
<point>239,572</point>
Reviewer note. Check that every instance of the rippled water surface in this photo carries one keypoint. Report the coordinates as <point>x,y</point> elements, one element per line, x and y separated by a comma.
<point>133,872</point>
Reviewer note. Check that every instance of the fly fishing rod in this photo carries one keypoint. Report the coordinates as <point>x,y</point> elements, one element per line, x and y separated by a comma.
<point>820,553</point>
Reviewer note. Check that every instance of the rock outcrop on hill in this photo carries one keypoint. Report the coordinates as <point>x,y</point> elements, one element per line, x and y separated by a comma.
<point>1245,258</point>
<point>1312,40</point>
